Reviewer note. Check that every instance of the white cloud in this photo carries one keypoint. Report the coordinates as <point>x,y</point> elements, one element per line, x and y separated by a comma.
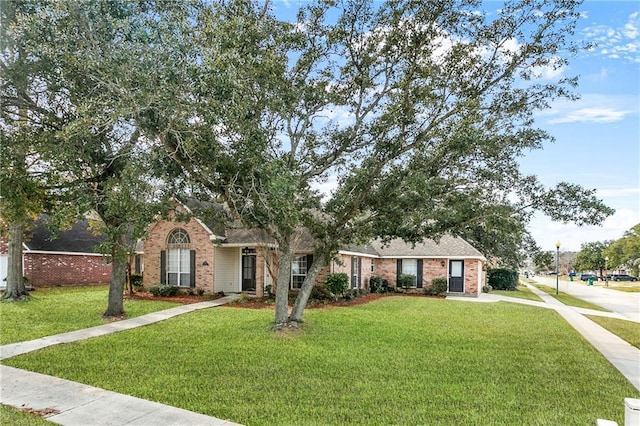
<point>592,108</point>
<point>622,42</point>
<point>571,236</point>
<point>592,115</point>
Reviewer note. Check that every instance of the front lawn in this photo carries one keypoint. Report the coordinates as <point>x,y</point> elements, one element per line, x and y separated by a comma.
<point>626,288</point>
<point>13,416</point>
<point>398,360</point>
<point>56,310</point>
<point>521,292</point>
<point>626,330</point>
<point>570,300</point>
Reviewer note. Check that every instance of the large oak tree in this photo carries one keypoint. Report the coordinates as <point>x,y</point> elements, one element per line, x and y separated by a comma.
<point>416,111</point>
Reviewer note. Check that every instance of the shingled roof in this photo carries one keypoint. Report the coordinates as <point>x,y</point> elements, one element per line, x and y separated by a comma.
<point>448,246</point>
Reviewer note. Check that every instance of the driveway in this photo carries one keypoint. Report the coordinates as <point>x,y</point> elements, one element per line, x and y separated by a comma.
<point>623,303</point>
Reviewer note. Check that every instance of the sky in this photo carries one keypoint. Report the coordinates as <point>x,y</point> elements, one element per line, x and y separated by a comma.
<point>597,137</point>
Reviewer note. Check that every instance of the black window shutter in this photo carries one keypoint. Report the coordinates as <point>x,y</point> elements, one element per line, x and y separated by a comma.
<point>137,262</point>
<point>419,274</point>
<point>192,268</point>
<point>309,262</point>
<point>359,272</point>
<point>398,271</point>
<point>163,267</point>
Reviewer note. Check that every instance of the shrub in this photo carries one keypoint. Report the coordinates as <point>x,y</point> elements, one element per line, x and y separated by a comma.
<point>502,279</point>
<point>438,287</point>
<point>321,293</point>
<point>200,291</point>
<point>377,285</point>
<point>269,290</point>
<point>136,280</point>
<point>337,283</point>
<point>406,281</point>
<point>164,290</point>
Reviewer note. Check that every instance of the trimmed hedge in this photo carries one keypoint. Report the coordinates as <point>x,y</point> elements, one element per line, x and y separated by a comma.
<point>164,290</point>
<point>438,287</point>
<point>337,283</point>
<point>502,279</point>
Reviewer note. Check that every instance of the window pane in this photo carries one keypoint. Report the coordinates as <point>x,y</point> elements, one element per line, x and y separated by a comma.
<point>456,268</point>
<point>178,236</point>
<point>172,278</point>
<point>185,280</point>
<point>173,260</point>
<point>410,266</point>
<point>184,260</point>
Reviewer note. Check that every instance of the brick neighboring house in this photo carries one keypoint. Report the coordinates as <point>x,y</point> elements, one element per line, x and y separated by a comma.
<point>62,258</point>
<point>197,254</point>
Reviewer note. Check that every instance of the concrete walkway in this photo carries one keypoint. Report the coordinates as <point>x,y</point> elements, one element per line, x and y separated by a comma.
<point>70,403</point>
<point>622,355</point>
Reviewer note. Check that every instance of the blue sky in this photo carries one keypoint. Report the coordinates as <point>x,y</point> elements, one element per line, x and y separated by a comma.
<point>598,136</point>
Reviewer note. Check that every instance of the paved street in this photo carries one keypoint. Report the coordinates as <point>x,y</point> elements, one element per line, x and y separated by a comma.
<point>623,303</point>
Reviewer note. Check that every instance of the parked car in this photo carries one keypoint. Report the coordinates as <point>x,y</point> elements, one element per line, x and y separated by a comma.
<point>623,277</point>
<point>572,274</point>
<point>587,277</point>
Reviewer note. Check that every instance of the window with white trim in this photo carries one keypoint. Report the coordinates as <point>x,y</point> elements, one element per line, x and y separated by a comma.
<point>178,258</point>
<point>298,271</point>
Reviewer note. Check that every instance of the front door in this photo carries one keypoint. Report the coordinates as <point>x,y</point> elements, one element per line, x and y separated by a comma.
<point>456,276</point>
<point>248,272</point>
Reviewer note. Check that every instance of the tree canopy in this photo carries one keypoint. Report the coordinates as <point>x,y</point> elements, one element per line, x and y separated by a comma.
<point>414,113</point>
<point>625,252</point>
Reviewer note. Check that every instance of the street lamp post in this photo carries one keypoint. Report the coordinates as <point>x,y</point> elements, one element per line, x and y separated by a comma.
<point>557,265</point>
<point>606,275</point>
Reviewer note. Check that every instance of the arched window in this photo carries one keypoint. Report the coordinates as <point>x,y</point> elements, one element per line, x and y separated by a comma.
<point>178,236</point>
<point>177,264</point>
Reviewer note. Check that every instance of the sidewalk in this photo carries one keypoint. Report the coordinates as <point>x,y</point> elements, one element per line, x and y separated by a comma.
<point>622,355</point>
<point>71,403</point>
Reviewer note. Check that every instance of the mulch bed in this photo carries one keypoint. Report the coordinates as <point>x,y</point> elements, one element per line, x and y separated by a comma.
<point>184,299</point>
<point>263,302</point>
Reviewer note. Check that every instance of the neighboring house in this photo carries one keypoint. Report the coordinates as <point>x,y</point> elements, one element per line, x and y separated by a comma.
<point>68,257</point>
<point>198,254</point>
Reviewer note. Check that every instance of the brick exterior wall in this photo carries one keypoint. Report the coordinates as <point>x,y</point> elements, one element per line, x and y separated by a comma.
<point>433,268</point>
<point>205,252</point>
<point>345,267</point>
<point>199,241</point>
<point>46,270</point>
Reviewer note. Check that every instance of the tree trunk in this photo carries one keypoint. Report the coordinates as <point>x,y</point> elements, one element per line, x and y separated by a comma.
<point>282,288</point>
<point>115,305</point>
<point>305,291</point>
<point>16,289</point>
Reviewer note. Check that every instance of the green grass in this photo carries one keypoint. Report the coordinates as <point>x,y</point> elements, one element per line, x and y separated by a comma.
<point>628,289</point>
<point>13,416</point>
<point>522,292</point>
<point>398,360</point>
<point>626,330</point>
<point>570,300</point>
<point>57,310</point>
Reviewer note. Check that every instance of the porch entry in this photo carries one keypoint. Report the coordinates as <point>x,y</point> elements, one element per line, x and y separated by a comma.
<point>456,276</point>
<point>248,269</point>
